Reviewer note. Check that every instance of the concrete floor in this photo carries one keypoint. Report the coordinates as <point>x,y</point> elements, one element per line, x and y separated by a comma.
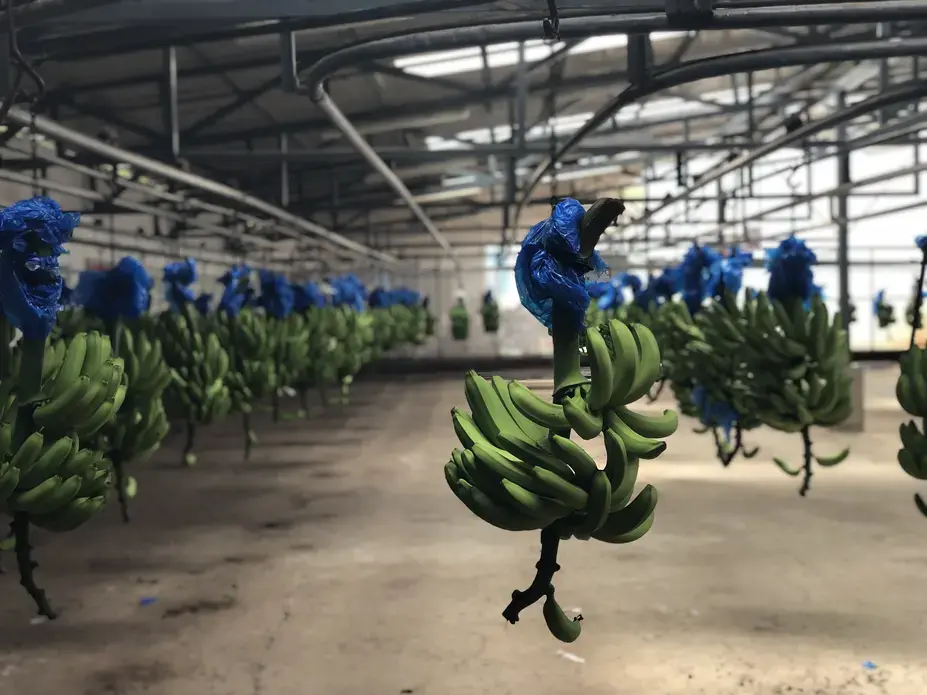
<point>337,562</point>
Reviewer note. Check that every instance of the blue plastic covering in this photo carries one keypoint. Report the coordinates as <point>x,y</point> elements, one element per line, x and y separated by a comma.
<point>790,271</point>
<point>237,292</point>
<point>276,294</point>
<point>727,273</point>
<point>178,277</point>
<point>307,295</point>
<point>714,413</point>
<point>921,243</point>
<point>877,302</point>
<point>32,237</point>
<point>611,298</point>
<point>348,291</point>
<point>661,288</point>
<point>597,289</point>
<point>694,275</point>
<point>122,292</point>
<point>203,303</point>
<point>549,271</point>
<point>382,298</point>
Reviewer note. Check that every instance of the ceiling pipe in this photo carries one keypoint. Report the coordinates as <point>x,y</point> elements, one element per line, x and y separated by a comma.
<point>291,83</point>
<point>80,141</point>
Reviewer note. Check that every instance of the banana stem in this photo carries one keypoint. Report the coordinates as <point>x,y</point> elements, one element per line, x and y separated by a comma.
<point>115,336</point>
<point>26,565</point>
<point>275,401</point>
<point>651,397</point>
<point>806,444</point>
<point>918,301</point>
<point>119,474</point>
<point>191,438</point>
<point>726,456</point>
<point>303,403</point>
<point>246,425</point>
<point>567,372</point>
<point>7,333</point>
<point>542,584</point>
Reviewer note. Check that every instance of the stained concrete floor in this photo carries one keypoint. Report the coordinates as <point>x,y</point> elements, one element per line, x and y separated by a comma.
<point>336,562</point>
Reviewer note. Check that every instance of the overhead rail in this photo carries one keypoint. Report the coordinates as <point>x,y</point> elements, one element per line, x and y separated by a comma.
<point>840,189</point>
<point>908,92</point>
<point>751,61</point>
<point>290,222</point>
<point>178,201</point>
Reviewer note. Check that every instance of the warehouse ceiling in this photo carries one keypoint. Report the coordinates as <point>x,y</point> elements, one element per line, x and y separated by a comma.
<point>445,121</point>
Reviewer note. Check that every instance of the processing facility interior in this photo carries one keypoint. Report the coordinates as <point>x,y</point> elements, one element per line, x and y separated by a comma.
<point>335,335</point>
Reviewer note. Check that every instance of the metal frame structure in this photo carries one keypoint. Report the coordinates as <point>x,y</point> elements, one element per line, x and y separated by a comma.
<point>364,213</point>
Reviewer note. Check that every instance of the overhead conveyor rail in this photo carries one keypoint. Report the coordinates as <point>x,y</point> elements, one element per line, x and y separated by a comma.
<point>285,223</point>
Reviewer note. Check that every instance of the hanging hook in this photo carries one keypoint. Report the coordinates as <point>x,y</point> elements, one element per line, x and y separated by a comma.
<point>552,22</point>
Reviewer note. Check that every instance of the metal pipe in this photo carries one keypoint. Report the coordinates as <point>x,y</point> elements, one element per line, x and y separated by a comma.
<point>843,211</point>
<point>341,122</point>
<point>416,155</point>
<point>829,193</point>
<point>39,11</point>
<point>169,99</point>
<point>128,205</point>
<point>80,141</point>
<point>906,92</point>
<point>789,56</point>
<point>422,41</point>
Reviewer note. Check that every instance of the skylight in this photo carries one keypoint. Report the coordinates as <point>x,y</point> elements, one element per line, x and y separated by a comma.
<point>463,60</point>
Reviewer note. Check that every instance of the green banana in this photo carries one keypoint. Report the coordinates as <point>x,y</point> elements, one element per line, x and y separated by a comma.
<point>647,426</point>
<point>642,447</point>
<point>602,372</point>
<point>563,628</point>
<point>536,409</point>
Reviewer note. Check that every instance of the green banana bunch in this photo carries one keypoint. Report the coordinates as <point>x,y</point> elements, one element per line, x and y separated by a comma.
<point>718,348</point>
<point>911,390</point>
<point>885,314</point>
<point>798,361</point>
<point>460,322</point>
<point>46,473</point>
<point>289,342</point>
<point>253,372</point>
<point>519,470</point>
<point>141,424</point>
<point>199,366</point>
<point>489,312</point>
<point>672,325</point>
<point>356,349</point>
